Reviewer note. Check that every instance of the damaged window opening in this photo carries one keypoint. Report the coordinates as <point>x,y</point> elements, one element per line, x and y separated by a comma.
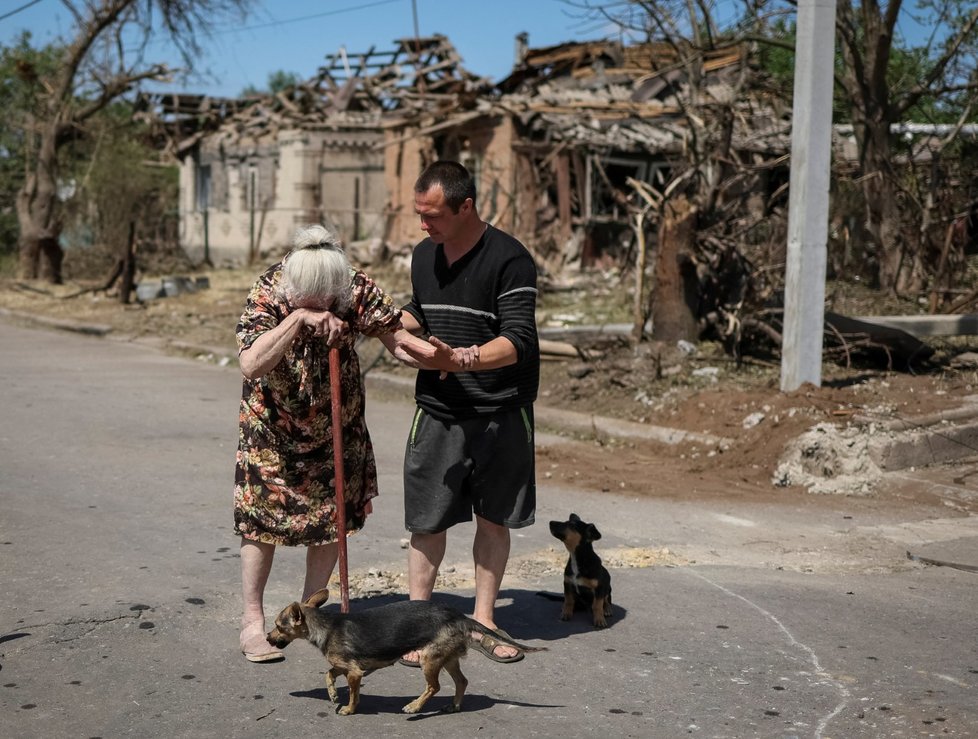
<point>610,188</point>
<point>203,187</point>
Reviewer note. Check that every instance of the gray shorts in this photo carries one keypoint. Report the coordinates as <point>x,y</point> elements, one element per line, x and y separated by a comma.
<point>482,465</point>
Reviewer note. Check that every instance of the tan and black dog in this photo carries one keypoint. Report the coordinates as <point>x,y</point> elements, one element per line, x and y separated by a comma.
<point>357,643</point>
<point>587,584</point>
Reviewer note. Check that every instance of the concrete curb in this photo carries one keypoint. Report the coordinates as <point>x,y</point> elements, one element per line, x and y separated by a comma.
<point>924,446</point>
<point>555,419</point>
<point>559,420</point>
<point>92,329</point>
<point>914,442</point>
<point>963,413</point>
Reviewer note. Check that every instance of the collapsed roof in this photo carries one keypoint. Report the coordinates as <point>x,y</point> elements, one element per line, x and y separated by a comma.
<point>359,90</point>
<point>599,94</point>
<point>604,94</point>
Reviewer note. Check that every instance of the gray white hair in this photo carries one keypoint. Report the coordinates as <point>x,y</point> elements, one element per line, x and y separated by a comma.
<point>317,268</point>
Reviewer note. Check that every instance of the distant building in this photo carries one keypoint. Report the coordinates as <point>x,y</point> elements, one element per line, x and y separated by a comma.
<point>255,169</point>
<point>554,147</point>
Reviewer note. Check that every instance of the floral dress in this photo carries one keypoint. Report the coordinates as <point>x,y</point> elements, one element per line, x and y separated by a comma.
<point>284,489</point>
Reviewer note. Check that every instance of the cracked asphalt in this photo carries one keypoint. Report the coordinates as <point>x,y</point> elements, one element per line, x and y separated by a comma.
<point>120,581</point>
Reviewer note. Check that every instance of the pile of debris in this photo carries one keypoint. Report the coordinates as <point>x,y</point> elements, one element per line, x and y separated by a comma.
<point>852,459</point>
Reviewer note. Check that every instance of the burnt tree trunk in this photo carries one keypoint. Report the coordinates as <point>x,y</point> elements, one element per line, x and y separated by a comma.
<point>674,291</point>
<point>128,266</point>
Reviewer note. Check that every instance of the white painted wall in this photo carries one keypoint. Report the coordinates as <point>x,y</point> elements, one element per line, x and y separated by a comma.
<point>313,177</point>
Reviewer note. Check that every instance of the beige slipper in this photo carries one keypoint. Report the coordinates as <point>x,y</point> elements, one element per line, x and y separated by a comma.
<point>254,645</point>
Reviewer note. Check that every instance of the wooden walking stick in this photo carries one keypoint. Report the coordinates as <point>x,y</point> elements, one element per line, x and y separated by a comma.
<point>338,474</point>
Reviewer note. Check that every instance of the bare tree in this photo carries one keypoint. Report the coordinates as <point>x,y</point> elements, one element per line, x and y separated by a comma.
<point>909,217</point>
<point>867,32</point>
<point>700,277</point>
<point>102,62</point>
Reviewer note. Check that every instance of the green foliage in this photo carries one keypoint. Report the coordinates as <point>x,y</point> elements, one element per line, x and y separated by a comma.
<point>281,80</point>
<point>278,81</point>
<point>910,62</point>
<point>777,59</point>
<point>120,182</point>
<point>21,68</point>
<point>109,168</point>
<point>908,66</point>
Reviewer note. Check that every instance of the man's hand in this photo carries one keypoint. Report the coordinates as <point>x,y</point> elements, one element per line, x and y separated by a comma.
<point>444,357</point>
<point>466,356</point>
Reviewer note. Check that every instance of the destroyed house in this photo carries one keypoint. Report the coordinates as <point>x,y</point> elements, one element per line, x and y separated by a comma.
<point>555,147</point>
<point>255,169</point>
<point>557,144</point>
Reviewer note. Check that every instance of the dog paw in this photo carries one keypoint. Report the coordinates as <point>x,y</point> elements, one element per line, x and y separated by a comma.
<point>565,617</point>
<point>451,708</point>
<point>345,711</point>
<point>412,707</point>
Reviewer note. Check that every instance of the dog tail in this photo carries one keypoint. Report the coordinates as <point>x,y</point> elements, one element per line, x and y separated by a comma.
<point>476,626</point>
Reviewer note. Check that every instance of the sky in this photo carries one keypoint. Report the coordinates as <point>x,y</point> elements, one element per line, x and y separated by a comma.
<point>296,35</point>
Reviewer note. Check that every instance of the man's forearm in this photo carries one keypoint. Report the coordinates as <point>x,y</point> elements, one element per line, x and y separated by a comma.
<point>494,354</point>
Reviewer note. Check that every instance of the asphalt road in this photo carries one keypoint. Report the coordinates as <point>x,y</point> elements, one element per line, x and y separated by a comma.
<point>120,591</point>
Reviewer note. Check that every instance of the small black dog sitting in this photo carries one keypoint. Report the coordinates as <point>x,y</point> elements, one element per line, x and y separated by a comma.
<point>587,584</point>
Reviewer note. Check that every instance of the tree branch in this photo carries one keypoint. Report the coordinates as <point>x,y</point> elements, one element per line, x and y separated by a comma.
<point>117,86</point>
<point>90,29</point>
<point>924,88</point>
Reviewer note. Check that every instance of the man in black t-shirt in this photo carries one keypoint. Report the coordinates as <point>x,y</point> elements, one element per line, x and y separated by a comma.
<point>470,447</point>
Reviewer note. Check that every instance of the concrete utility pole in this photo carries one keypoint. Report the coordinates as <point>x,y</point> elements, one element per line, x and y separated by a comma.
<point>808,200</point>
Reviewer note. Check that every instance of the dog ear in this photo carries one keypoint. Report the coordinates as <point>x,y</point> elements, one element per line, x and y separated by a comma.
<point>293,615</point>
<point>317,599</point>
<point>574,518</point>
<point>592,532</point>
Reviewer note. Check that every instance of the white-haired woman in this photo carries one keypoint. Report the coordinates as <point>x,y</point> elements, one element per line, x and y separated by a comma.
<point>284,477</point>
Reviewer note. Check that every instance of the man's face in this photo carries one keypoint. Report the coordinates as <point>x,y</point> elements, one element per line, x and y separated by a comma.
<point>437,218</point>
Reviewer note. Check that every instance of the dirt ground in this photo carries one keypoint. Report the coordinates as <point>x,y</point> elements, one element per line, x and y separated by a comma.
<point>701,391</point>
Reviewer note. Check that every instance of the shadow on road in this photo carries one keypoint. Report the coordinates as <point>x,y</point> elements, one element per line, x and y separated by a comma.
<point>527,615</point>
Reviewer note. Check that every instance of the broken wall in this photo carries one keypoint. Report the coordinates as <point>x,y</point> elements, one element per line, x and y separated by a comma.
<point>246,197</point>
<point>484,146</point>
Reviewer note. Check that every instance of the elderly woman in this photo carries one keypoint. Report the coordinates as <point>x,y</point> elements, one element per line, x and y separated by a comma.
<point>284,478</point>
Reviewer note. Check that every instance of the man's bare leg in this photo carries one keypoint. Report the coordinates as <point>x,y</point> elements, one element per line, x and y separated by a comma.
<point>490,551</point>
<point>425,554</point>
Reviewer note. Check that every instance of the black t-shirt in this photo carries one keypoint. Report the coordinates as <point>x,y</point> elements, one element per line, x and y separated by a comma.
<point>489,292</point>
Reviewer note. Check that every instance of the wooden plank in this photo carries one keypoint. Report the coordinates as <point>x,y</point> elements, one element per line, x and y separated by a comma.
<point>900,342</point>
<point>562,172</point>
<point>931,325</point>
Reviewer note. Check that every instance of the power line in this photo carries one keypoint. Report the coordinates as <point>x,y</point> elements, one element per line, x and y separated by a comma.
<point>17,10</point>
<point>306,17</point>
